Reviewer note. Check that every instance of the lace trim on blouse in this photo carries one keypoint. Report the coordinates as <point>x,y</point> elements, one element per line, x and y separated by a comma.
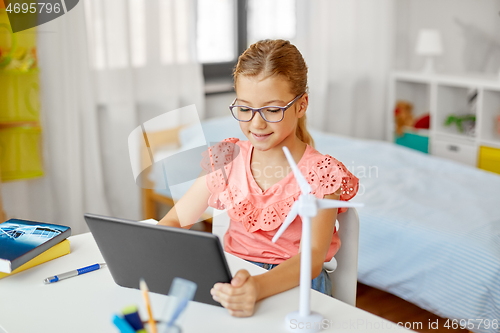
<point>325,177</point>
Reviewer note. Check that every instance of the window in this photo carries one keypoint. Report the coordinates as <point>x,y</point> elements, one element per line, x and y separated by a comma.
<point>225,28</point>
<point>216,31</point>
<point>270,19</point>
<point>136,33</point>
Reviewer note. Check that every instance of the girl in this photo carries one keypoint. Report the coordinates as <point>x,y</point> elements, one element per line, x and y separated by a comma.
<point>256,184</point>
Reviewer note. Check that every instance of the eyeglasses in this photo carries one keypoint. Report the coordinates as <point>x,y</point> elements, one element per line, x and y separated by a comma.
<point>271,114</point>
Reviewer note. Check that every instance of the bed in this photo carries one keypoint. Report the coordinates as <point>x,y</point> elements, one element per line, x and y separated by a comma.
<point>430,228</point>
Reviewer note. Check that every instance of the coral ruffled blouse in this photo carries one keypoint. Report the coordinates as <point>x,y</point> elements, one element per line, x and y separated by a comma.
<point>256,215</point>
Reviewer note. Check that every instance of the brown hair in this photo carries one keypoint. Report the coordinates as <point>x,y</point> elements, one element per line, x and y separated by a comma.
<point>277,57</point>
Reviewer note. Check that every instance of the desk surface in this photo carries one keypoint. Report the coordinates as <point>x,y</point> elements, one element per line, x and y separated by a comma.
<point>86,303</point>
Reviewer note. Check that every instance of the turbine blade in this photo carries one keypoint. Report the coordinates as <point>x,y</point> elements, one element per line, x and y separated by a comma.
<point>305,188</point>
<point>289,219</point>
<point>330,203</point>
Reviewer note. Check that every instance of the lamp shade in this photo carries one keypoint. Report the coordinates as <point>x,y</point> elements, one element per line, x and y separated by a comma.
<point>429,43</point>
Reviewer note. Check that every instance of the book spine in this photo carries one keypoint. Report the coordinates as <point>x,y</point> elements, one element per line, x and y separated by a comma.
<point>54,252</point>
<point>38,250</point>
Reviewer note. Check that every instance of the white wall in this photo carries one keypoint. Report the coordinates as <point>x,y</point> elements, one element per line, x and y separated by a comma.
<point>473,49</point>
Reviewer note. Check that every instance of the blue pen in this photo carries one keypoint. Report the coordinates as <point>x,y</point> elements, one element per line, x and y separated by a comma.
<point>178,311</point>
<point>122,324</point>
<point>76,272</point>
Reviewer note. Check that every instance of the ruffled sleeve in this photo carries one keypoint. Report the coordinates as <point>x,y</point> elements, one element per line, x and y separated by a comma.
<point>217,162</point>
<point>328,175</point>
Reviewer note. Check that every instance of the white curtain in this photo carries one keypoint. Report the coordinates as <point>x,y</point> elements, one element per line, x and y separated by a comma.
<point>106,67</point>
<point>348,46</point>
<point>73,182</point>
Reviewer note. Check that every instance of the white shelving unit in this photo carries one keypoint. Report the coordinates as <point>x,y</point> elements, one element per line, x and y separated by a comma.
<point>442,95</point>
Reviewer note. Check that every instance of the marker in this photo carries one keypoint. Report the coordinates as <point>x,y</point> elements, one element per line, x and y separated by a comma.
<point>131,315</point>
<point>122,324</point>
<point>76,272</point>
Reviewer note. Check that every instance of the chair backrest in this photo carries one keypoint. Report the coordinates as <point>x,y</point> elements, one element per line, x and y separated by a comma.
<point>220,224</point>
<point>344,277</point>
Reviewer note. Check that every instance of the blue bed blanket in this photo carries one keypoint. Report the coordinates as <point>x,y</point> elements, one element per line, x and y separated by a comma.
<point>430,228</point>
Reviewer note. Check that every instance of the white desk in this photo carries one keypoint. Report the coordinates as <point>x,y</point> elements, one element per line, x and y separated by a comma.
<point>86,303</point>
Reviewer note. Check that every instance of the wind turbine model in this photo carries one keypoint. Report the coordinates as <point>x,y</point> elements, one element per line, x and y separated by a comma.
<point>307,207</point>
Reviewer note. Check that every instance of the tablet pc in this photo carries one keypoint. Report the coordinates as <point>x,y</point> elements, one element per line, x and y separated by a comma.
<point>134,250</point>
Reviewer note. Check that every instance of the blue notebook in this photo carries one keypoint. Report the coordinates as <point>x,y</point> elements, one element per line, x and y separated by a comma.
<point>21,241</point>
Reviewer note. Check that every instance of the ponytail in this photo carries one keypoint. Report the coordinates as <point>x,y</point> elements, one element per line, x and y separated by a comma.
<point>302,132</point>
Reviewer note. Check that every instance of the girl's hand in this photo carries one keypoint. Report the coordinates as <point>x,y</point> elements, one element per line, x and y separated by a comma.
<point>239,296</point>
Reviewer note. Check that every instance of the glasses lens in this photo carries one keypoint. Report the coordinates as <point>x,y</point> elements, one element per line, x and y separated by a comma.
<point>241,113</point>
<point>273,114</point>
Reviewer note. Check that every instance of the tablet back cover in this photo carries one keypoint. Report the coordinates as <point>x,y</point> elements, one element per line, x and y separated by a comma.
<point>134,250</point>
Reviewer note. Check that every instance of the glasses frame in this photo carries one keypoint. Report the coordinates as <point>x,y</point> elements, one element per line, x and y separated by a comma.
<point>254,110</point>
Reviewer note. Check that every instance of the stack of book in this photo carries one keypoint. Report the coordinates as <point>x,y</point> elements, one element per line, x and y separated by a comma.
<point>24,244</point>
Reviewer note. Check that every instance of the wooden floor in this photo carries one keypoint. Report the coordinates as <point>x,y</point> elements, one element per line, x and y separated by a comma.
<point>398,310</point>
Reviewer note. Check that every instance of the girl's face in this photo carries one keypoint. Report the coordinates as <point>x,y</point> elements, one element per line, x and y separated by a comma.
<point>256,92</point>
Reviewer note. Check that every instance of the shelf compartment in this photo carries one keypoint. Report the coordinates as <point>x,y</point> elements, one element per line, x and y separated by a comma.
<point>490,118</point>
<point>19,96</point>
<point>452,100</point>
<point>20,153</point>
<point>416,93</point>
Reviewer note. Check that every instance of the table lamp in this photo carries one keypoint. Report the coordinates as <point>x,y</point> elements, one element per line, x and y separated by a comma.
<point>306,206</point>
<point>429,45</point>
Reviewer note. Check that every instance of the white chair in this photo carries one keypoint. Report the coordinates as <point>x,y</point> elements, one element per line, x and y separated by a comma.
<point>220,224</point>
<point>343,268</point>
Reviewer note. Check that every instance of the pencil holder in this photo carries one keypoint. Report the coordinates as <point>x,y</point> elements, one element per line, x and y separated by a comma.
<point>161,327</point>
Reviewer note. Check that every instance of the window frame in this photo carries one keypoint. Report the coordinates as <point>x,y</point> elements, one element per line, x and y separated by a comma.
<point>222,71</point>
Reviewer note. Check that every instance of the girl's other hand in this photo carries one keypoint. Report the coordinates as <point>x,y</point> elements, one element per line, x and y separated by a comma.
<point>239,296</point>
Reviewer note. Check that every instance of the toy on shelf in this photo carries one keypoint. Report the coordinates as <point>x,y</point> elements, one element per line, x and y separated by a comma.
<point>21,60</point>
<point>472,100</point>
<point>403,115</point>
<point>6,48</point>
<point>16,53</point>
<point>498,124</point>
<point>465,124</point>
<point>423,122</point>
